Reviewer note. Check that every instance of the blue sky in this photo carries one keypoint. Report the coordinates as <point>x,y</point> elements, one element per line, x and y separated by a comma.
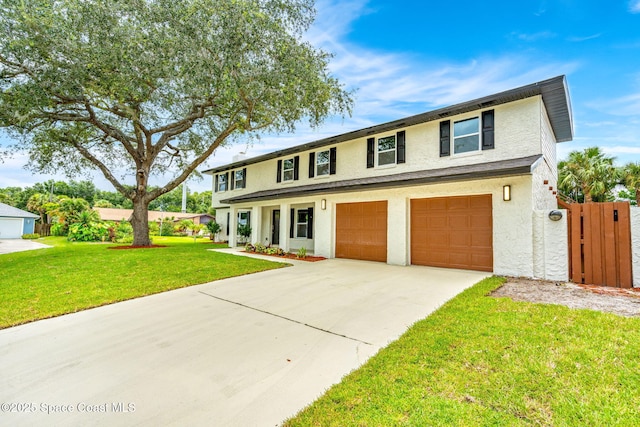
<point>404,58</point>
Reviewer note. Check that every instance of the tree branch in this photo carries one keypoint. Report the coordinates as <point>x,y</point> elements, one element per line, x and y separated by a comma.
<point>194,164</point>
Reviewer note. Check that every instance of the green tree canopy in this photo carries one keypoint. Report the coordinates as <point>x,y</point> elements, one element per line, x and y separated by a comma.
<point>147,87</point>
<point>631,178</point>
<point>587,175</point>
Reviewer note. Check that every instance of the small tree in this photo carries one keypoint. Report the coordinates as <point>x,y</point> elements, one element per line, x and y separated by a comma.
<point>588,175</point>
<point>631,178</point>
<point>244,231</point>
<point>195,229</point>
<point>214,228</point>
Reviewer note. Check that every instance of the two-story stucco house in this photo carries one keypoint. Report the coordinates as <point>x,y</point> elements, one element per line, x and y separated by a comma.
<point>456,187</point>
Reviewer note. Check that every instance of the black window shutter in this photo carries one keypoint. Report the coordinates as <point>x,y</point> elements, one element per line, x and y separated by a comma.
<point>487,130</point>
<point>296,167</point>
<point>400,146</point>
<point>312,165</point>
<point>233,180</point>
<point>371,152</point>
<point>215,185</point>
<point>293,222</point>
<point>445,138</point>
<point>332,160</point>
<point>310,223</point>
<point>244,178</point>
<point>279,177</point>
<point>228,221</point>
<point>226,180</point>
<point>249,218</point>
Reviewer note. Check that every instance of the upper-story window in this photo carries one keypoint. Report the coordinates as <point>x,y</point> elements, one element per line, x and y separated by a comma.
<point>466,135</point>
<point>322,163</point>
<point>469,135</point>
<point>221,181</point>
<point>239,179</point>
<point>288,169</point>
<point>386,150</point>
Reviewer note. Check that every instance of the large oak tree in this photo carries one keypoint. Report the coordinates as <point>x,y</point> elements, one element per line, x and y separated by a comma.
<point>155,86</point>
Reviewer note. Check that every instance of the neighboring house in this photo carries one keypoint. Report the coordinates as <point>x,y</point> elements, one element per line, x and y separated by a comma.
<point>113,214</point>
<point>15,222</point>
<point>460,187</point>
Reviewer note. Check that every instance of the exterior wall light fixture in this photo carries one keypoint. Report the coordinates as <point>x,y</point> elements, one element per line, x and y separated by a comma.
<point>323,204</point>
<point>555,215</point>
<point>506,193</point>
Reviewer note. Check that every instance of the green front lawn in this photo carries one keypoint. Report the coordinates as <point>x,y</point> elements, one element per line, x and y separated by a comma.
<point>481,361</point>
<point>75,276</point>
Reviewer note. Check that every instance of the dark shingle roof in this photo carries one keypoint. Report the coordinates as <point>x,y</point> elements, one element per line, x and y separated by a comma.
<point>554,92</point>
<point>500,168</point>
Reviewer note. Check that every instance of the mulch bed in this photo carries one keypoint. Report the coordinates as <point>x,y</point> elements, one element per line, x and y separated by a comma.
<point>136,247</point>
<point>308,258</point>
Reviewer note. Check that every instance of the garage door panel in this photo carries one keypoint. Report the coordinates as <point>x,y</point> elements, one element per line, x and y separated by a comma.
<point>454,232</point>
<point>361,231</point>
<point>10,228</point>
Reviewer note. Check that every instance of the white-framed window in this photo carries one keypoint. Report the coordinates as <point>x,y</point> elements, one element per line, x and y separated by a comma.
<point>387,150</point>
<point>322,163</point>
<point>466,136</point>
<point>239,178</point>
<point>288,167</point>
<point>302,220</point>
<point>222,182</point>
<point>244,217</point>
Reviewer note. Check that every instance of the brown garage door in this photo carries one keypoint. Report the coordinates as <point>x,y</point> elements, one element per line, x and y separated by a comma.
<point>453,232</point>
<point>361,231</point>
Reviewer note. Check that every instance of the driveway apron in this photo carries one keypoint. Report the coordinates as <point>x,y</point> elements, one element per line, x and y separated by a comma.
<point>245,351</point>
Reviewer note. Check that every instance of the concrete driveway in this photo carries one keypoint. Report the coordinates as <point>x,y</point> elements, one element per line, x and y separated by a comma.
<point>246,351</point>
<point>8,246</point>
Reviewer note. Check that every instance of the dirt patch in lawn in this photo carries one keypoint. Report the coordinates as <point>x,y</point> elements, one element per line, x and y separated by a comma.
<point>623,302</point>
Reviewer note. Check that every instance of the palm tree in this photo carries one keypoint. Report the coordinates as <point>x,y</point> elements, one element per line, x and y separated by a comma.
<point>631,177</point>
<point>588,173</point>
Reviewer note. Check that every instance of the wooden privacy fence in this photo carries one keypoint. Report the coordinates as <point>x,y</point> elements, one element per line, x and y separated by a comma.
<point>43,229</point>
<point>600,244</point>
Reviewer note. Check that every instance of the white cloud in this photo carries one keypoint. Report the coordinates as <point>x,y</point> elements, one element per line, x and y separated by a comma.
<point>634,6</point>
<point>628,105</point>
<point>542,35</point>
<point>584,38</point>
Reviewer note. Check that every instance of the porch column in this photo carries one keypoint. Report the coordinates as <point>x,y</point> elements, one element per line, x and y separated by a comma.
<point>256,224</point>
<point>285,223</point>
<point>397,231</point>
<point>233,225</point>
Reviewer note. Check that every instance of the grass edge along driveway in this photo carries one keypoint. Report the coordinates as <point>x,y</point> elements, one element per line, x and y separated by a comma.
<point>492,361</point>
<point>74,276</point>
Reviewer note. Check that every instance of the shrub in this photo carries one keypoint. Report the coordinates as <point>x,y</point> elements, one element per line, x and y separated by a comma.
<point>31,236</point>
<point>249,247</point>
<point>154,228</point>
<point>302,253</point>
<point>58,229</point>
<point>166,229</point>
<point>87,232</point>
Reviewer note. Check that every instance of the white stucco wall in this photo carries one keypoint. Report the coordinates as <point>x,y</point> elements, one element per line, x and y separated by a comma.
<point>512,221</point>
<point>518,131</point>
<point>551,246</point>
<point>635,245</point>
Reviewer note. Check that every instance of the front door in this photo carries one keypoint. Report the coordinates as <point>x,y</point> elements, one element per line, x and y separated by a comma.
<point>275,227</point>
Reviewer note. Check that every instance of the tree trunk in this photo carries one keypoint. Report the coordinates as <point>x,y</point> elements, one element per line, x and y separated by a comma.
<point>638,197</point>
<point>140,222</point>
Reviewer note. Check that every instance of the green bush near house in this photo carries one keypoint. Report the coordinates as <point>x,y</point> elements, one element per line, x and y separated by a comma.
<point>31,236</point>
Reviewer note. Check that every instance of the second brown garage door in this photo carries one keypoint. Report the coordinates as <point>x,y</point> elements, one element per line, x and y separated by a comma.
<point>361,231</point>
<point>453,232</point>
